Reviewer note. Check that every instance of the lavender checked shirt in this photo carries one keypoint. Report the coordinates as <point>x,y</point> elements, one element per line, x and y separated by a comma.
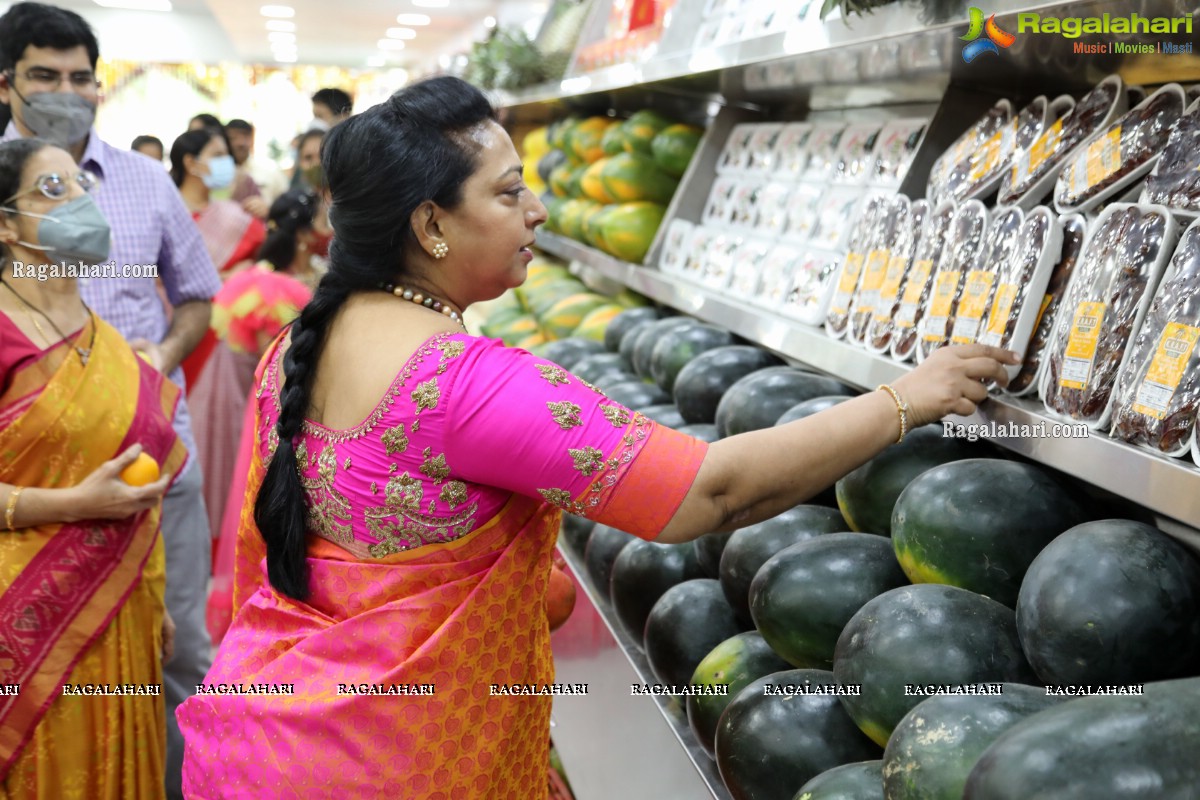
<point>150,225</point>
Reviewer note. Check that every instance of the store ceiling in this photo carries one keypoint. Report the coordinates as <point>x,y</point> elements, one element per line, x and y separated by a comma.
<point>345,33</point>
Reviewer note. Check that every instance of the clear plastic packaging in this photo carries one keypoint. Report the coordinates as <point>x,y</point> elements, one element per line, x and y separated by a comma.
<point>856,153</point>
<point>1074,231</point>
<point>893,220</point>
<point>747,267</point>
<point>1010,318</point>
<point>1113,284</point>
<point>822,149</point>
<point>743,203</point>
<point>701,244</point>
<point>898,143</point>
<point>761,159</point>
<point>1175,180</point>
<point>862,236</point>
<point>718,266</point>
<point>882,326</point>
<point>941,185</point>
<point>718,210</point>
<point>675,246</point>
<point>792,150</point>
<point>966,251</point>
<point>773,209</point>
<point>778,270</point>
<point>980,285</point>
<point>918,282</point>
<point>803,210</point>
<point>1119,155</point>
<point>1158,388</point>
<point>813,282</point>
<point>1035,168</point>
<point>735,154</point>
<point>838,209</point>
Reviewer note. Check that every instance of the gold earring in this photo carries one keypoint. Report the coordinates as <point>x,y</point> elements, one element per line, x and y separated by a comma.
<point>440,249</point>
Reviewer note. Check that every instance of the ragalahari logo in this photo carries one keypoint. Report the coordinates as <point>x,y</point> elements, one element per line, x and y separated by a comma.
<point>996,38</point>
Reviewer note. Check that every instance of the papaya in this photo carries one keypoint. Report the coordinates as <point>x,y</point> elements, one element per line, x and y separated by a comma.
<point>629,177</point>
<point>674,146</point>
<point>629,229</point>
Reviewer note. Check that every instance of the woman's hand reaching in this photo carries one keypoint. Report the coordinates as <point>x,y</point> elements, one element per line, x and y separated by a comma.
<point>953,380</point>
<point>104,495</point>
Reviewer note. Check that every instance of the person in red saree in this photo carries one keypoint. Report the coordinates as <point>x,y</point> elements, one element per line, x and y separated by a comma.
<point>82,569</point>
<point>409,479</point>
<point>201,164</point>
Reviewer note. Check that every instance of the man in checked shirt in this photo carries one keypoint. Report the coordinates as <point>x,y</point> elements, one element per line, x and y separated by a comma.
<point>47,76</point>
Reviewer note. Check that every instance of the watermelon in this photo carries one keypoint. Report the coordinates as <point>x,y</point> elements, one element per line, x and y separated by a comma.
<point>687,622</point>
<point>677,347</point>
<point>759,399</point>
<point>862,780</point>
<point>867,495</point>
<point>1099,748</point>
<point>594,325</point>
<point>629,229</point>
<point>622,322</point>
<point>665,414</point>
<point>923,635</point>
<point>705,432</point>
<point>565,316</point>
<point>548,163</point>
<point>628,347</point>
<point>630,177</point>
<point>1112,602</point>
<point>804,595</point>
<point>751,547</point>
<point>569,352</point>
<point>593,368</point>
<point>603,546</point>
<point>642,573</point>
<point>649,337</point>
<point>734,663</point>
<point>638,132</point>
<point>705,379</point>
<point>635,394</point>
<point>809,407</point>
<point>611,379</point>
<point>709,548</point>
<point>674,147</point>
<point>979,523</point>
<point>932,750</point>
<point>773,737</point>
<point>593,184</point>
<point>574,532</point>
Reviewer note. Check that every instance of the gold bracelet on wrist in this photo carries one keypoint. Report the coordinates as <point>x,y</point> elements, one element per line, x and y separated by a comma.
<point>901,408</point>
<point>10,510</point>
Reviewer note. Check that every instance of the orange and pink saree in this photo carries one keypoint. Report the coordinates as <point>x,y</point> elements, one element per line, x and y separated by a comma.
<point>81,604</point>
<point>431,528</point>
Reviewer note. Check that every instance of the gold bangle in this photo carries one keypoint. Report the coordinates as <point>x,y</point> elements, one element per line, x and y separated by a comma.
<point>901,407</point>
<point>10,510</point>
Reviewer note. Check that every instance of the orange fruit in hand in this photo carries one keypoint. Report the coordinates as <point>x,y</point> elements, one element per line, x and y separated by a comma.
<point>143,470</point>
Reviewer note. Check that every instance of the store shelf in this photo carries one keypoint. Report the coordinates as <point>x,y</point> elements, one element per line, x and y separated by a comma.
<point>612,740</point>
<point>1170,487</point>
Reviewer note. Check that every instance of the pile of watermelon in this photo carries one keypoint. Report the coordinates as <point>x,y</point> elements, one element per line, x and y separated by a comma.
<point>927,630</point>
<point>609,180</point>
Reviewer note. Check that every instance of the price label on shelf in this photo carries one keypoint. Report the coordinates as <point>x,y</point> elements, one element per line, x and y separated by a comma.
<point>1082,344</point>
<point>1166,369</point>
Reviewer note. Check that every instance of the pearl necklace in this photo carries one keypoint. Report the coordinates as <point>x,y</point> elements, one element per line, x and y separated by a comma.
<point>426,302</point>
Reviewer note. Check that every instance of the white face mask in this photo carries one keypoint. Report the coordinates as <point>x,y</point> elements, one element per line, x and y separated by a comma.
<point>318,124</point>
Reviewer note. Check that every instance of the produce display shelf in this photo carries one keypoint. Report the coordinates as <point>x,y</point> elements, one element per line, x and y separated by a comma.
<point>636,734</point>
<point>1166,486</point>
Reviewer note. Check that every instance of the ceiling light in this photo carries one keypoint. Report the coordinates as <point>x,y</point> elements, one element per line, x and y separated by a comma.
<point>413,19</point>
<point>284,47</point>
<point>281,25</point>
<point>444,61</point>
<point>289,58</point>
<point>390,44</point>
<point>376,61</point>
<point>401,33</point>
<point>431,3</point>
<point>279,38</point>
<point>280,12</point>
<point>136,5</point>
<point>489,22</point>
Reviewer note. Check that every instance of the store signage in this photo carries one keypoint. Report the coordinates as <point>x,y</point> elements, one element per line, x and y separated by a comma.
<point>1074,27</point>
<point>985,36</point>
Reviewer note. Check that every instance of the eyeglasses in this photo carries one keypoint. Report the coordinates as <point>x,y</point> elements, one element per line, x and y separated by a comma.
<point>50,79</point>
<point>55,187</point>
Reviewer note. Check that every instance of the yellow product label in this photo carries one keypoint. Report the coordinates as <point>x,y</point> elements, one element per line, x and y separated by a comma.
<point>1002,306</point>
<point>848,281</point>
<point>874,272</point>
<point>1046,301</point>
<point>918,277</point>
<point>1104,156</point>
<point>940,302</point>
<point>1044,146</point>
<point>890,289</point>
<point>1166,369</point>
<point>985,160</point>
<point>972,306</point>
<point>1082,345</point>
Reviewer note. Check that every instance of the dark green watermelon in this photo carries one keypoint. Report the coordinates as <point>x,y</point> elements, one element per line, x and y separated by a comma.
<point>862,780</point>
<point>642,573</point>
<point>758,400</point>
<point>867,495</point>
<point>569,352</point>
<point>750,547</point>
<point>635,394</point>
<point>611,379</point>
<point>809,407</point>
<point>923,635</point>
<point>770,743</point>
<point>629,340</point>
<point>594,368</point>
<point>709,548</point>
<point>1112,602</point>
<point>649,336</point>
<point>1099,748</point>
<point>804,595</point>
<point>703,432</point>
<point>701,384</point>
<point>687,622</point>
<point>603,546</point>
<point>932,750</point>
<point>666,415</point>
<point>672,352</point>
<point>575,531</point>
<point>622,323</point>
<point>734,663</point>
<point>978,524</point>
